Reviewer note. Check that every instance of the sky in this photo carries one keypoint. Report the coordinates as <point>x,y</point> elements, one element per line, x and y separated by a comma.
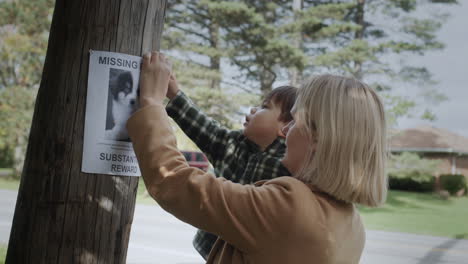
<point>450,68</point>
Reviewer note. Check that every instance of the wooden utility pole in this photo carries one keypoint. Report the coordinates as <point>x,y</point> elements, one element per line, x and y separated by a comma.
<point>63,215</point>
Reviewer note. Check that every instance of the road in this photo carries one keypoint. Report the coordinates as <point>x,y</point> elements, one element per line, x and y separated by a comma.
<point>158,237</point>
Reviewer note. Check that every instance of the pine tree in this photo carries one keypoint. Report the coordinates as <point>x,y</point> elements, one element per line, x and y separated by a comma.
<point>193,37</point>
<point>256,37</point>
<point>369,40</point>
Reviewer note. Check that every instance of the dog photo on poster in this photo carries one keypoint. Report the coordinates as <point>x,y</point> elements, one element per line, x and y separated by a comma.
<point>111,99</point>
<point>121,103</point>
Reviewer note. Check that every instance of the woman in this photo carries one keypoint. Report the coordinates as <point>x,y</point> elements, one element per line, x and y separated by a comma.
<point>335,152</point>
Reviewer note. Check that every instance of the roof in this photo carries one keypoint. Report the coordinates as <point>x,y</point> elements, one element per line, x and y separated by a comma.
<point>429,139</point>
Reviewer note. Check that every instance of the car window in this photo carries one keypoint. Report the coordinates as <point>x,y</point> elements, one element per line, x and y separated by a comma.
<point>187,156</point>
<point>199,157</point>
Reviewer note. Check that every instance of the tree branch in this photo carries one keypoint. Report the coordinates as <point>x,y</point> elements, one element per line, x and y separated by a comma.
<point>192,32</point>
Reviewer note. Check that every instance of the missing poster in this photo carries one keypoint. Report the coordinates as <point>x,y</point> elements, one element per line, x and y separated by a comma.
<point>113,80</point>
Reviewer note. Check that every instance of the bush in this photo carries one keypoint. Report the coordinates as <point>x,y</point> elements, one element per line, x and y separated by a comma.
<point>413,182</point>
<point>443,194</point>
<point>410,172</point>
<point>453,182</point>
<point>6,158</point>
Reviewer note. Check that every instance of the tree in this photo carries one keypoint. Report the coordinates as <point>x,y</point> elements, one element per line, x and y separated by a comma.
<point>411,165</point>
<point>24,28</point>
<point>193,30</point>
<point>218,103</point>
<point>256,40</point>
<point>372,33</point>
<point>244,33</point>
<point>269,41</point>
<point>193,38</point>
<point>63,215</point>
<point>16,105</point>
<point>409,172</point>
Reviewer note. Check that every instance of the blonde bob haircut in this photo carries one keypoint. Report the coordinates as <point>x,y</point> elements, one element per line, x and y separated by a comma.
<point>346,118</point>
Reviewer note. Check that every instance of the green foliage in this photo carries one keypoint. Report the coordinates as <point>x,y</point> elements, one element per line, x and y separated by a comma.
<point>250,35</point>
<point>445,1</point>
<point>6,158</point>
<point>453,183</point>
<point>16,105</point>
<point>16,111</point>
<point>410,172</point>
<point>413,183</point>
<point>406,164</point>
<point>258,45</point>
<point>193,36</point>
<point>262,40</point>
<point>406,5</point>
<point>192,29</point>
<point>24,29</point>
<point>359,45</point>
<point>215,102</point>
<point>266,41</point>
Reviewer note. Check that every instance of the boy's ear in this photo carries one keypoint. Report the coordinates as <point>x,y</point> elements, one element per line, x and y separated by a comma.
<point>280,130</point>
<point>281,134</point>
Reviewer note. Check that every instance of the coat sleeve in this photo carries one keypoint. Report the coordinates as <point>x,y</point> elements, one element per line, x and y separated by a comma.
<point>243,215</point>
<point>209,135</point>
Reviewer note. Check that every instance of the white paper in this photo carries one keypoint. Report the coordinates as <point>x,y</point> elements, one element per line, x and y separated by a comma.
<point>113,80</point>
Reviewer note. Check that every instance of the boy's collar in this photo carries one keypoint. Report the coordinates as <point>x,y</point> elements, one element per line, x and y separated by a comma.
<point>276,147</point>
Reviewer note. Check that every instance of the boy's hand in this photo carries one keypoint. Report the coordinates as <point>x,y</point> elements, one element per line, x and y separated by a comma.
<point>173,87</point>
<point>154,78</point>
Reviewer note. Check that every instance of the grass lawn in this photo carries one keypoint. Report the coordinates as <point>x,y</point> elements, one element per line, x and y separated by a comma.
<point>142,196</point>
<point>9,184</point>
<point>419,213</point>
<point>5,171</point>
<point>3,251</point>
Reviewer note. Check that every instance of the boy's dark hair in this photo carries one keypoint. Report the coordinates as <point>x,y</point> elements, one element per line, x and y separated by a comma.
<point>285,97</point>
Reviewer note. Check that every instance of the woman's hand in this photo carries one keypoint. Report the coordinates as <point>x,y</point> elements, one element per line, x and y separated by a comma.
<point>154,78</point>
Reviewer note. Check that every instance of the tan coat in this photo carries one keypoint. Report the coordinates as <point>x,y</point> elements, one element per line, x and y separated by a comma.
<point>280,221</point>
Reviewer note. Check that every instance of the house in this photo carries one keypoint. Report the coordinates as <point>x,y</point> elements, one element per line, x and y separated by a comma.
<point>434,143</point>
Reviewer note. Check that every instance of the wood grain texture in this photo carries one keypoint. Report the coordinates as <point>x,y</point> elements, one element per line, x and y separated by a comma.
<point>63,215</point>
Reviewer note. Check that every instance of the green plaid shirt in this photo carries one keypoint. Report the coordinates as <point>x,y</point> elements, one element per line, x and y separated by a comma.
<point>232,155</point>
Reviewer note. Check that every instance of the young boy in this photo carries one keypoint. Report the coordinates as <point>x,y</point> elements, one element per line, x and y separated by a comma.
<point>243,156</point>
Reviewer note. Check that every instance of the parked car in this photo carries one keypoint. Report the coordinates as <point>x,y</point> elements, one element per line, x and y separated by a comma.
<point>196,159</point>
